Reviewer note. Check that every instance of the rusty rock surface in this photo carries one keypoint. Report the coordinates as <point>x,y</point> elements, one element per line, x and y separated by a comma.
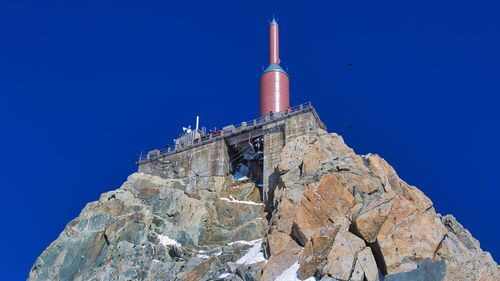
<point>386,227</point>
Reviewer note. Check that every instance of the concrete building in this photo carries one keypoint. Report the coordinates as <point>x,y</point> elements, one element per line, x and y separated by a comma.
<point>249,150</point>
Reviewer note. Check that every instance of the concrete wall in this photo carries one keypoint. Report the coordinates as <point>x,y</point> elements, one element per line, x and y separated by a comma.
<point>274,140</point>
<point>276,136</point>
<point>302,124</point>
<point>206,160</point>
<point>212,158</point>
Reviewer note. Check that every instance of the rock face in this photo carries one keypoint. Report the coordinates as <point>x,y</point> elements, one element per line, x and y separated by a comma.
<point>370,222</point>
<point>156,229</point>
<point>335,215</point>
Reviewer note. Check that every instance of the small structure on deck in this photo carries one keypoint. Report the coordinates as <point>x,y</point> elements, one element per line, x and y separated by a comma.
<point>189,137</point>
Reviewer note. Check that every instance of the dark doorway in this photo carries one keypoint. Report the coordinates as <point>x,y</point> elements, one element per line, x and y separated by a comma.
<point>246,159</point>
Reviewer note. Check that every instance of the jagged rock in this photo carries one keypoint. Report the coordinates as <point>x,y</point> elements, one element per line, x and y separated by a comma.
<point>407,237</point>
<point>358,184</point>
<point>329,201</point>
<point>353,215</point>
<point>148,226</point>
<point>358,273</point>
<point>367,262</point>
<point>307,220</point>
<point>415,195</point>
<point>308,262</point>
<point>372,216</point>
<point>380,168</point>
<point>316,251</point>
<point>231,266</point>
<point>427,270</point>
<point>282,220</point>
<point>375,186</point>
<point>252,271</point>
<point>322,239</point>
<point>232,277</point>
<point>317,150</point>
<point>280,262</point>
<point>246,191</point>
<point>198,271</point>
<point>463,255</point>
<point>294,155</point>
<point>276,242</point>
<point>342,256</point>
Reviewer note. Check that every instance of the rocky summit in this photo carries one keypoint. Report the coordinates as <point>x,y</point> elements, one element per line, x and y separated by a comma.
<point>334,215</point>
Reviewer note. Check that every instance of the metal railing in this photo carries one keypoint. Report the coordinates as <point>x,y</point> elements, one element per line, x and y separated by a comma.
<point>226,131</point>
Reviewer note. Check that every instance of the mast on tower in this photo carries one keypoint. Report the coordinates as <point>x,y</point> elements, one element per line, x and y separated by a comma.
<point>274,82</point>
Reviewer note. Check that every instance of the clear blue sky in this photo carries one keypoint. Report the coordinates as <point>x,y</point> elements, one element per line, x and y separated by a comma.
<point>85,87</point>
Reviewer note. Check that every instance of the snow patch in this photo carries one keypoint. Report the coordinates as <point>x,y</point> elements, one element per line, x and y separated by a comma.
<point>292,274</point>
<point>224,275</point>
<point>254,255</point>
<point>244,242</point>
<point>166,241</point>
<point>232,200</point>
<point>204,256</point>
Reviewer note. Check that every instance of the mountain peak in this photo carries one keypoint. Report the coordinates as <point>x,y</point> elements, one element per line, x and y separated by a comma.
<point>332,215</point>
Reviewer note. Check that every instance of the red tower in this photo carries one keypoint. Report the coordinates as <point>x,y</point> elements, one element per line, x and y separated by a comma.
<point>274,82</point>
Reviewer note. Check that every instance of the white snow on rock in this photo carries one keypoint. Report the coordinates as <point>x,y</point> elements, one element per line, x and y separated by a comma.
<point>245,242</point>
<point>292,274</point>
<point>243,178</point>
<point>204,256</point>
<point>254,255</point>
<point>166,241</point>
<point>224,275</point>
<point>232,200</point>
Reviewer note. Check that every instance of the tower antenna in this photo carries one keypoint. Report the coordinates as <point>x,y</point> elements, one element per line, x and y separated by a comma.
<point>274,81</point>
